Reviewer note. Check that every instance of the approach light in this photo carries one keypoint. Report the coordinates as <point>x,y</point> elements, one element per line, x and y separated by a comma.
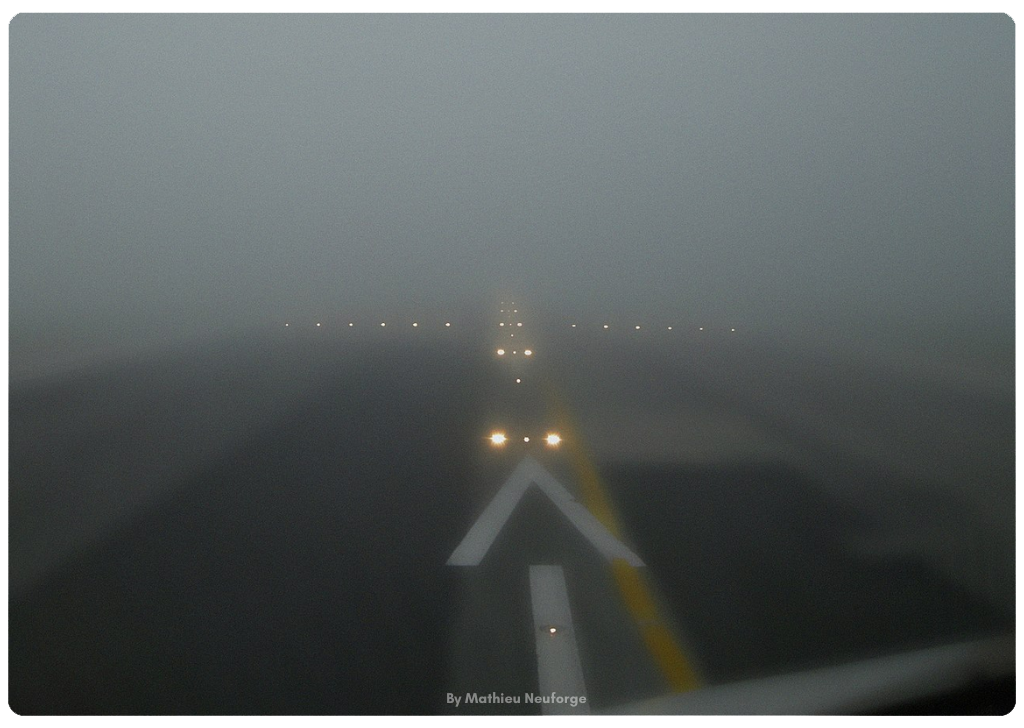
<point>552,440</point>
<point>501,352</point>
<point>528,352</point>
<point>497,438</point>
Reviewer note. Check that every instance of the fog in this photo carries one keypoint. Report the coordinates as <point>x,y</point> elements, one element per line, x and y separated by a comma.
<point>173,176</point>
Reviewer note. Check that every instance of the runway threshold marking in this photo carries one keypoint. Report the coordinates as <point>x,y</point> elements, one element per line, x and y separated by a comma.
<point>637,594</point>
<point>559,669</point>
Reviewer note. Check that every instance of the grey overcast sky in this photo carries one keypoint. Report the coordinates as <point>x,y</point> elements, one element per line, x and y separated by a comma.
<point>199,171</point>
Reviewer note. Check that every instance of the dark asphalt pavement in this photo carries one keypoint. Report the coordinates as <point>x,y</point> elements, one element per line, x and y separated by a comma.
<point>301,569</point>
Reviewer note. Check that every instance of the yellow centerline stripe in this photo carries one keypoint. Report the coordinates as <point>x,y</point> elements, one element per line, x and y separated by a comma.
<point>633,587</point>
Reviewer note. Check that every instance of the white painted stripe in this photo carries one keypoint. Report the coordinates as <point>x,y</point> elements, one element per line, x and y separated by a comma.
<point>559,671</point>
<point>594,531</point>
<point>473,548</point>
<point>482,534</point>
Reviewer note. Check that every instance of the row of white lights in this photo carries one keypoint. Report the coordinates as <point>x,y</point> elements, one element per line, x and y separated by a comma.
<point>415,324</point>
<point>637,327</point>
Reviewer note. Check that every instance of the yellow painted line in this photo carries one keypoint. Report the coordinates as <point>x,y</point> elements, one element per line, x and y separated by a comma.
<point>636,593</point>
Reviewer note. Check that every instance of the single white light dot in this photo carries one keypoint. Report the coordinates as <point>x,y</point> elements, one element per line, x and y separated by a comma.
<point>552,630</point>
<point>574,326</point>
<point>515,310</point>
<point>701,328</point>
<point>498,438</point>
<point>502,323</point>
<point>669,328</point>
<point>382,323</point>
<point>513,352</point>
<point>518,381</point>
<point>637,328</point>
<point>606,326</point>
<point>734,329</point>
<point>317,323</point>
<point>447,324</point>
<point>526,439</point>
<point>519,324</point>
<point>528,352</point>
<point>501,352</point>
<point>287,324</point>
<point>351,324</point>
<point>512,336</point>
<point>414,324</point>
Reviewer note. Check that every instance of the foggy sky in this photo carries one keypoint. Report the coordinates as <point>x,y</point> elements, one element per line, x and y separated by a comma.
<point>198,171</point>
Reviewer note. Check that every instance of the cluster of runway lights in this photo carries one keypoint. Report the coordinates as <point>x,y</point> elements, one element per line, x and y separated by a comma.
<point>499,439</point>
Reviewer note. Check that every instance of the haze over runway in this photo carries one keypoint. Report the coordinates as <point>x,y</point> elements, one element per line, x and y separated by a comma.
<point>358,363</point>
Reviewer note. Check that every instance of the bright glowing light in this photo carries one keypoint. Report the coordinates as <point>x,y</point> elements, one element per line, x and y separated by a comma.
<point>287,324</point>
<point>513,351</point>
<point>447,323</point>
<point>501,352</point>
<point>497,438</point>
<point>669,328</point>
<point>502,323</point>
<point>638,328</point>
<point>526,439</point>
<point>528,352</point>
<point>518,381</point>
<point>734,329</point>
<point>552,630</point>
<point>606,326</point>
<point>414,324</point>
<point>351,324</point>
<point>701,328</point>
<point>552,439</point>
<point>512,336</point>
<point>574,326</point>
<point>515,310</point>
<point>317,323</point>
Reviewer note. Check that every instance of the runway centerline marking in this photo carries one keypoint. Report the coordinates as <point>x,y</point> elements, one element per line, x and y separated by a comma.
<point>559,669</point>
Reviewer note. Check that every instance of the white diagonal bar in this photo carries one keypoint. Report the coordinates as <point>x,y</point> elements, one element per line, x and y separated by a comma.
<point>594,531</point>
<point>474,546</point>
<point>559,672</point>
